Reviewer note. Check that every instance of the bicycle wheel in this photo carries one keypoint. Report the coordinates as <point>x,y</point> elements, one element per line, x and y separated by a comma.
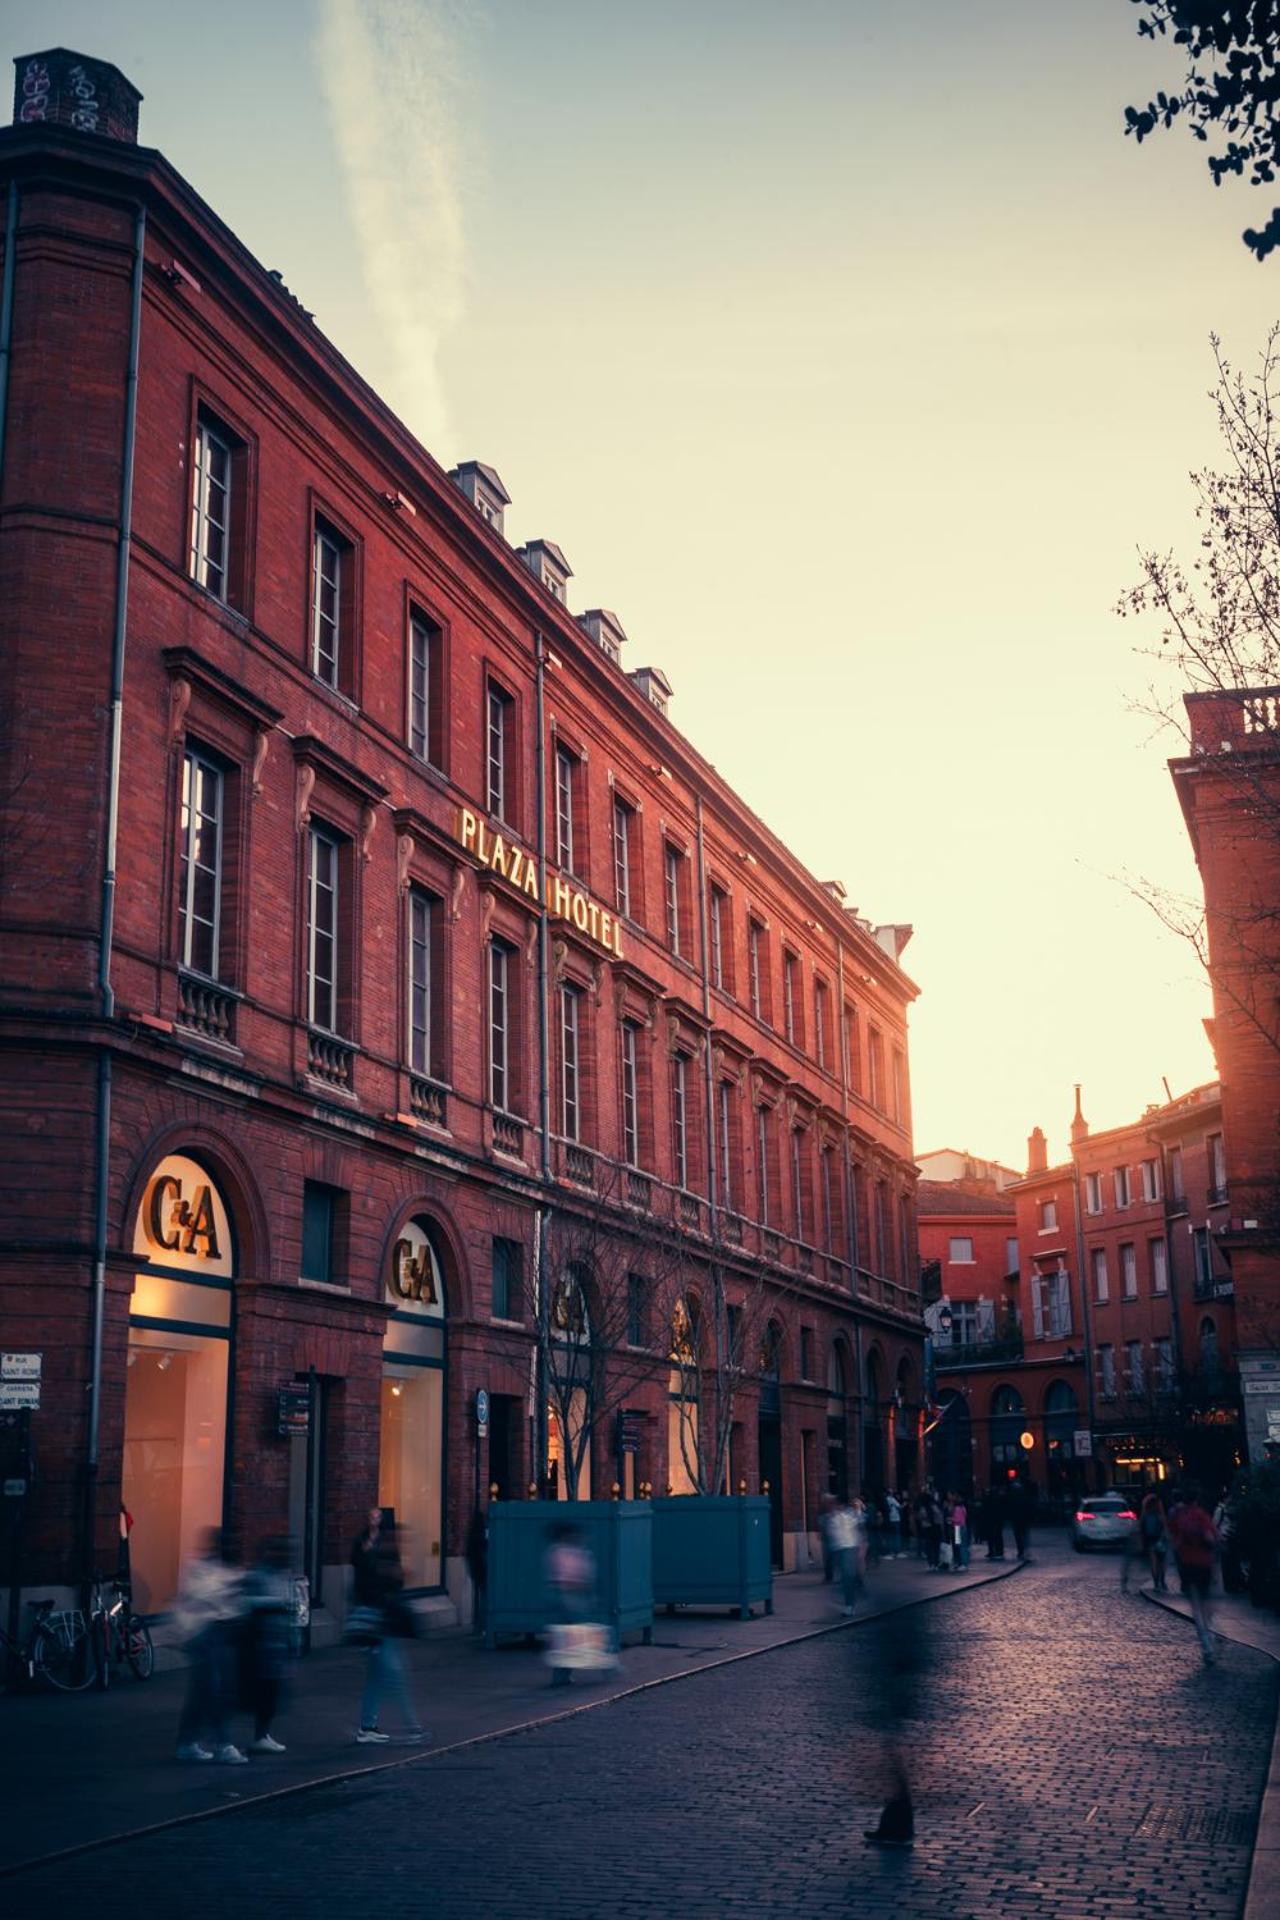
<point>139,1651</point>
<point>63,1658</point>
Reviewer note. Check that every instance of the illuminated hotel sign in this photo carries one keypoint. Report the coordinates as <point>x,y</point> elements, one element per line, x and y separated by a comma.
<point>520,869</point>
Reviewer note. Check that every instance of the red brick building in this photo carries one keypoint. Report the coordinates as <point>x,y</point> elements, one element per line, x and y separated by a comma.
<point>1229,790</point>
<point>365,930</point>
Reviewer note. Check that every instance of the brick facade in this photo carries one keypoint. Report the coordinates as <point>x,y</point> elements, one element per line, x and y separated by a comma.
<point>226,1064</point>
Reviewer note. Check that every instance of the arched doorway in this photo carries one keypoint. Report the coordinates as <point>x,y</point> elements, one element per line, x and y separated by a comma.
<point>1064,1476</point>
<point>872,1430</point>
<point>769,1432</point>
<point>951,1444</point>
<point>175,1417</point>
<point>411,1439</point>
<point>683,1405</point>
<point>1008,1421</point>
<point>837,1421</point>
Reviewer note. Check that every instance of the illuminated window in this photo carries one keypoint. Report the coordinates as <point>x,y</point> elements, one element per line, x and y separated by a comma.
<point>211,508</point>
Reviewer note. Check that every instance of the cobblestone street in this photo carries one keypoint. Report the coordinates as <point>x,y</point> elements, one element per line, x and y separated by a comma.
<point>1078,1760</point>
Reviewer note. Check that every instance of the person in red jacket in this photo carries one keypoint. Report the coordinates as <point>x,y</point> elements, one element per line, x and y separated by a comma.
<point>1195,1548</point>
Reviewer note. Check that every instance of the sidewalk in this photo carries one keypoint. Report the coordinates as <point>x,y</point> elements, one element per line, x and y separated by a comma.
<point>1235,1619</point>
<point>81,1769</point>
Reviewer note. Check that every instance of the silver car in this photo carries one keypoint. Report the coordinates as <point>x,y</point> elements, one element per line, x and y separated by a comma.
<point>1105,1521</point>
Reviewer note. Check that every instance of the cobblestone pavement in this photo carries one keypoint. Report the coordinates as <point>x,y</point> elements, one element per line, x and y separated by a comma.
<point>1077,1760</point>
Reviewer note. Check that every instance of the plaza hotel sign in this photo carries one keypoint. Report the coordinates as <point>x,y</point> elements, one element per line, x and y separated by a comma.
<point>564,900</point>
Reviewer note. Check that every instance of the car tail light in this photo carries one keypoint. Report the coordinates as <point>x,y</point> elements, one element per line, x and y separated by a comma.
<point>1084,1516</point>
<point>1126,1515</point>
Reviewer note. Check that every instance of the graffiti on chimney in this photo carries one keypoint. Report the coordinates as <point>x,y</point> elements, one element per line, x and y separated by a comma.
<point>37,86</point>
<point>35,91</point>
<point>84,116</point>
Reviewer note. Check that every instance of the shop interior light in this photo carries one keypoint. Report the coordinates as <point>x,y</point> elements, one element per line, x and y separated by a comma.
<point>165,1362</point>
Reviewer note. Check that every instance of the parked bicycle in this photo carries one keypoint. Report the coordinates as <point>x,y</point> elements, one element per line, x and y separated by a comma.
<point>118,1633</point>
<point>54,1652</point>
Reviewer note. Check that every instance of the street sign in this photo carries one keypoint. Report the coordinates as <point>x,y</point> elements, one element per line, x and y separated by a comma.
<point>19,1393</point>
<point>482,1411</point>
<point>14,1489</point>
<point>20,1366</point>
<point>293,1407</point>
<point>1082,1444</point>
<point>631,1426</point>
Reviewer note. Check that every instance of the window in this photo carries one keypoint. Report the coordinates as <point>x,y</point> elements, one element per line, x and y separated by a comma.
<point>1217,1169</point>
<point>679,1128</point>
<point>725,1129</point>
<point>961,1251</point>
<point>755,943</point>
<point>330,597</point>
<point>425,730</point>
<point>852,1052</point>
<point>1122,1186</point>
<point>498,753</point>
<point>566,770</point>
<point>212,502</point>
<point>637,1316</point>
<point>733,1334</point>
<point>1012,1257</point>
<point>200,877</point>
<point>422,923</point>
<point>1107,1372</point>
<point>319,1215</point>
<point>672,864</point>
<point>1128,1271</point>
<point>1202,1252</point>
<point>965,1331</point>
<point>322,932</point>
<point>1048,1216</point>
<point>797,1180</point>
<point>1133,1359</point>
<point>828,1201</point>
<point>1093,1193</point>
<point>790,987</point>
<point>1101,1283</point>
<point>806,1353</point>
<point>875,1069</point>
<point>719,912</point>
<point>1164,1365</point>
<point>1159,1255</point>
<point>762,1165</point>
<point>508,1261</point>
<point>882,1227</point>
<point>630,1114</point>
<point>1151,1179</point>
<point>500,1087</point>
<point>1176,1189</point>
<point>622,817</point>
<point>899,1088</point>
<point>1051,1304</point>
<point>570,1090</point>
<point>820,1039</point>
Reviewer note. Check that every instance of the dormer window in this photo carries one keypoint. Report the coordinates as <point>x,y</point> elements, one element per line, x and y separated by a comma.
<point>549,567</point>
<point>605,629</point>
<point>654,685</point>
<point>485,491</point>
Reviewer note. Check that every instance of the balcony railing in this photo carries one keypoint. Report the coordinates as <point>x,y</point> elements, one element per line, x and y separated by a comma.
<point>1217,1196</point>
<point>330,1059</point>
<point>639,1190</point>
<point>770,1245</point>
<point>428,1101</point>
<point>691,1212</point>
<point>579,1165</point>
<point>731,1228</point>
<point>979,1353</point>
<point>508,1135</point>
<point>207,1009</point>
<point>1214,1286</point>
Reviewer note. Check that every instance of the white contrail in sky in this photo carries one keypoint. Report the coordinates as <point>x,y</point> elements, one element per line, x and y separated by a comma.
<point>393,80</point>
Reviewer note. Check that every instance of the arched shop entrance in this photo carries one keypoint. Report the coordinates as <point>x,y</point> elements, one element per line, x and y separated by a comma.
<point>175,1417</point>
<point>412,1436</point>
<point>1008,1422</point>
<point>951,1444</point>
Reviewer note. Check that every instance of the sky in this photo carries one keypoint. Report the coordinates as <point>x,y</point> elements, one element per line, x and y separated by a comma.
<point>851,354</point>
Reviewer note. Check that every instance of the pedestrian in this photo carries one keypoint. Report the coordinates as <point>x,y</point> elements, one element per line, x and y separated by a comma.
<point>896,1702</point>
<point>569,1569</point>
<point>893,1514</point>
<point>871,1520</point>
<point>478,1567</point>
<point>1195,1547</point>
<point>270,1637</point>
<point>826,1507</point>
<point>960,1533</point>
<point>993,1522</point>
<point>933,1531</point>
<point>847,1548</point>
<point>208,1611</point>
<point>380,1619</point>
<point>1022,1501</point>
<point>1153,1535</point>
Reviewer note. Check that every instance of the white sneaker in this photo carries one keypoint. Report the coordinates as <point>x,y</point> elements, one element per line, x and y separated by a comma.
<point>266,1745</point>
<point>370,1737</point>
<point>231,1756</point>
<point>194,1751</point>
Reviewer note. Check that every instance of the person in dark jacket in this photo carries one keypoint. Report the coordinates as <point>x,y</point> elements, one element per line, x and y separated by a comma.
<point>271,1637</point>
<point>378,1593</point>
<point>993,1522</point>
<point>1022,1501</point>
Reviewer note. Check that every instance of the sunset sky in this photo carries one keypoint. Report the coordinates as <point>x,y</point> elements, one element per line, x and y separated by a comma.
<point>849,351</point>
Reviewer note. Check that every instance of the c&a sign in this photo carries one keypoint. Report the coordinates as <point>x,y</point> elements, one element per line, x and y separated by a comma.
<point>183,1221</point>
<point>415,1282</point>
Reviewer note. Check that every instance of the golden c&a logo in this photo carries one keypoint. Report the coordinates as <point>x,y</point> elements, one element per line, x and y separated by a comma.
<point>179,1225</point>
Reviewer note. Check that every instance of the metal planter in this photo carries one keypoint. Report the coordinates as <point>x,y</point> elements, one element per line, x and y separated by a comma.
<point>712,1550</point>
<point>619,1536</point>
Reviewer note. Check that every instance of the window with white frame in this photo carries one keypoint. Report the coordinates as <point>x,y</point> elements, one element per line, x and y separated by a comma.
<point>1133,1359</point>
<point>755,942</point>
<point>1101,1281</point>
<point>1159,1255</point>
<point>718,914</point>
<point>1151,1180</point>
<point>498,753</point>
<point>630,1097</point>
<point>790,988</point>
<point>762,1165</point>
<point>330,584</point>
<point>1051,1304</point>
<point>566,772</point>
<point>1129,1271</point>
<point>570,1086</point>
<point>622,818</point>
<point>1122,1186</point>
<point>200,872</point>
<point>1217,1169</point>
<point>1048,1216</point>
<point>424,688</point>
<point>1107,1371</point>
<point>500,1083</point>
<point>322,931</point>
<point>422,925</point>
<point>960,1250</point>
<point>672,863</point>
<point>725,1130</point>
<point>679,1119</point>
<point>211,504</point>
<point>1093,1193</point>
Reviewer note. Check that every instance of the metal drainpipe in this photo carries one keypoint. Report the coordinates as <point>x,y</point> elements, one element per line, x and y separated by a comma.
<point>540,1444</point>
<point>717,1275</point>
<point>1175,1318</point>
<point>1084,1295</point>
<point>6,308</point>
<point>107,919</point>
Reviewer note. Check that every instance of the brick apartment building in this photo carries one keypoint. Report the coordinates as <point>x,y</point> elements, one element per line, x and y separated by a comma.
<point>1116,1323</point>
<point>364,923</point>
<point>1229,790</point>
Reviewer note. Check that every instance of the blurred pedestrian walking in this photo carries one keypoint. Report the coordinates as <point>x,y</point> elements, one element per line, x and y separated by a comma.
<point>848,1550</point>
<point>1195,1547</point>
<point>896,1704</point>
<point>1022,1506</point>
<point>208,1611</point>
<point>575,1642</point>
<point>270,1637</point>
<point>993,1522</point>
<point>960,1533</point>
<point>380,1619</point>
<point>894,1509</point>
<point>1153,1536</point>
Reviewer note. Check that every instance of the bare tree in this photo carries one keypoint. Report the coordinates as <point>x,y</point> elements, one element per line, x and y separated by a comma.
<point>718,1343</point>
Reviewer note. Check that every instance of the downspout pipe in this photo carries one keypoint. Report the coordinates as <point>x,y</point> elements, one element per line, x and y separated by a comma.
<point>6,309</point>
<point>106,925</point>
<point>542,1387</point>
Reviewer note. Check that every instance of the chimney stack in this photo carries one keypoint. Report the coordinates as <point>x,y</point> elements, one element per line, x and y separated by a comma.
<point>1037,1152</point>
<point>64,89</point>
<point>1079,1126</point>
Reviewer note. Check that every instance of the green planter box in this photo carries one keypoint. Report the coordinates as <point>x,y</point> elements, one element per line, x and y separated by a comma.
<point>619,1535</point>
<point>712,1550</point>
